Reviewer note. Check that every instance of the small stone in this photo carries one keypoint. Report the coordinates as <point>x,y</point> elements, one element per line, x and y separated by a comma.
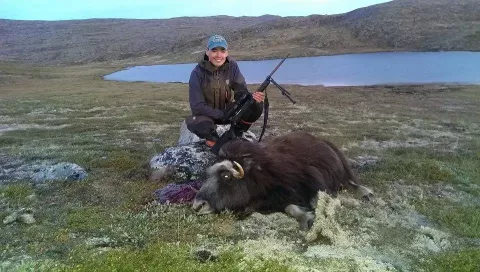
<point>10,218</point>
<point>350,202</point>
<point>100,242</point>
<point>32,197</point>
<point>27,218</point>
<point>204,255</point>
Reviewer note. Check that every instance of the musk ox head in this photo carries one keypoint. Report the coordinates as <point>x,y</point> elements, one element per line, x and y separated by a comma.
<point>229,183</point>
<point>224,188</point>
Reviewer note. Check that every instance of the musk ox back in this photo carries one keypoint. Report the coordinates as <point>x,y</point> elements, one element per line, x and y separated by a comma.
<point>282,175</point>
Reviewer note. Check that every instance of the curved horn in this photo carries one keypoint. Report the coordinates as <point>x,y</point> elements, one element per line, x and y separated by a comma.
<point>240,172</point>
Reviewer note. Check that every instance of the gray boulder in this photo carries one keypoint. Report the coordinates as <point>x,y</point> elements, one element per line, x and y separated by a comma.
<point>180,163</point>
<point>58,171</point>
<point>12,169</point>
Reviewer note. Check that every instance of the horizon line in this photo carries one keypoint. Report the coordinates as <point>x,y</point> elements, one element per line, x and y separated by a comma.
<point>169,18</point>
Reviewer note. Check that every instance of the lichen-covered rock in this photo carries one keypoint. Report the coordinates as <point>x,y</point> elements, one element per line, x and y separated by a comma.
<point>186,137</point>
<point>59,171</point>
<point>12,169</point>
<point>182,163</point>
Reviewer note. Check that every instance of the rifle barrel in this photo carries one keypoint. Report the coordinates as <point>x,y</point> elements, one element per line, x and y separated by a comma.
<point>274,70</point>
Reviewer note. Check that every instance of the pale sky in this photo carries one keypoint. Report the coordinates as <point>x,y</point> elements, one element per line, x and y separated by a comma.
<point>161,9</point>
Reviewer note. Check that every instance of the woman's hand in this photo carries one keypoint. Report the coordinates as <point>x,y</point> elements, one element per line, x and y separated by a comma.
<point>259,96</point>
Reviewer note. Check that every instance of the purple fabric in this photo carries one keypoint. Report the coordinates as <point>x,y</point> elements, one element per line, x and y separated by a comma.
<point>178,193</point>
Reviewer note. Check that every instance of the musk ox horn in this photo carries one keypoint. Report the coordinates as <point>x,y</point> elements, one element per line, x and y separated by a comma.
<point>240,173</point>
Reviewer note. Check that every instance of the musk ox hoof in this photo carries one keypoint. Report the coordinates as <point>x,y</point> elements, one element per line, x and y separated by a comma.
<point>368,197</point>
<point>304,218</point>
<point>365,192</point>
<point>306,221</point>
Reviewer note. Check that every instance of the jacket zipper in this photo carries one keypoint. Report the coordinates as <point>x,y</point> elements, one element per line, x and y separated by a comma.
<point>216,95</point>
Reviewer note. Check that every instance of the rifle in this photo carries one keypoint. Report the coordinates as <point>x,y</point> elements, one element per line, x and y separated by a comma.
<point>235,113</point>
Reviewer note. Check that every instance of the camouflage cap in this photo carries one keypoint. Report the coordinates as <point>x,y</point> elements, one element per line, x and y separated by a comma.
<point>217,41</point>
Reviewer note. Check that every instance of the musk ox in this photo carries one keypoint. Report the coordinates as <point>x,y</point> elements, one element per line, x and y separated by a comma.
<point>281,175</point>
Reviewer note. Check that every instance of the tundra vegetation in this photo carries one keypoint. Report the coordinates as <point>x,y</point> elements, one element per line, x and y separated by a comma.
<point>424,142</point>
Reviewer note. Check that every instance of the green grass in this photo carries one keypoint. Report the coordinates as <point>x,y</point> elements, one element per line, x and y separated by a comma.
<point>465,260</point>
<point>15,196</point>
<point>427,165</point>
<point>114,128</point>
<point>89,219</point>
<point>16,192</point>
<point>460,219</point>
<point>166,257</point>
<point>412,165</point>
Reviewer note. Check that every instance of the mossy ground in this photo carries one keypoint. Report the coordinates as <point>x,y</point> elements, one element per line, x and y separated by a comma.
<point>427,180</point>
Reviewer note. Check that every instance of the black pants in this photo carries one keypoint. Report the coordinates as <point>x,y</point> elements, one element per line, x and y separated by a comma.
<point>205,127</point>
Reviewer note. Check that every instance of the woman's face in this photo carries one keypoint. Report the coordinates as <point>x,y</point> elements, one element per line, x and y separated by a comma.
<point>217,56</point>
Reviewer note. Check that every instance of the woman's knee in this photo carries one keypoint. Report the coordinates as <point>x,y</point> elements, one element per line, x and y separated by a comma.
<point>202,126</point>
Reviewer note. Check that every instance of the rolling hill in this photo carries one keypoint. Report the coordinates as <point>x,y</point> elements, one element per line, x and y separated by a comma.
<point>413,25</point>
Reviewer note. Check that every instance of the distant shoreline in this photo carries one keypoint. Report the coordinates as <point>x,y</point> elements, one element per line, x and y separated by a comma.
<point>363,69</point>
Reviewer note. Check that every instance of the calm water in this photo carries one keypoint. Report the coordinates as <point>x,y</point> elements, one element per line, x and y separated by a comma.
<point>340,70</point>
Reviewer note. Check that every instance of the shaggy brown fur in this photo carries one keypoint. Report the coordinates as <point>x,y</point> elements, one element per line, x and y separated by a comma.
<point>286,170</point>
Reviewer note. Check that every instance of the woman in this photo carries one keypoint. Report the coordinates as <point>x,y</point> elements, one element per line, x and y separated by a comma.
<point>215,83</point>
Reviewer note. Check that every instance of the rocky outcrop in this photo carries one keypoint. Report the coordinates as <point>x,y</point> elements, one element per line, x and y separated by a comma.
<point>39,171</point>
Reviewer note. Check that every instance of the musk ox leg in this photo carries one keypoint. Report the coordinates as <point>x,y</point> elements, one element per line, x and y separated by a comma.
<point>318,180</point>
<point>353,181</point>
<point>304,218</point>
<point>365,192</point>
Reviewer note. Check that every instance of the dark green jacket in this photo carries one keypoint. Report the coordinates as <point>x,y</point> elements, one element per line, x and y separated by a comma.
<point>212,89</point>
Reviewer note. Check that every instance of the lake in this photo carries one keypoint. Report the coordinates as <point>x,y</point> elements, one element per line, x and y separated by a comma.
<point>456,67</point>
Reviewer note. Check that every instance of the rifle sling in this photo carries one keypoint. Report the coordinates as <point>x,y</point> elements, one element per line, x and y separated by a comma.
<point>265,116</point>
